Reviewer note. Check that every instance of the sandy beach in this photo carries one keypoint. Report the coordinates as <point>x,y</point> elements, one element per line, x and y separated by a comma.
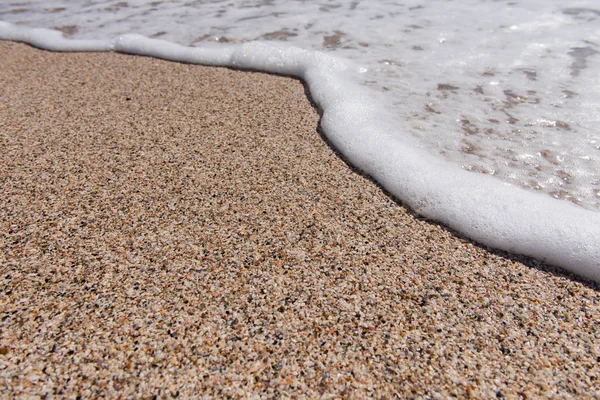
<point>172,230</point>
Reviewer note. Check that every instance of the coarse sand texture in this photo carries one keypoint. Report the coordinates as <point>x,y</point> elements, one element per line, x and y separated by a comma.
<point>184,231</point>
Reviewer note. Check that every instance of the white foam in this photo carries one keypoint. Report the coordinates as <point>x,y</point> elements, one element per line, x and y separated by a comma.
<point>50,39</point>
<point>483,208</point>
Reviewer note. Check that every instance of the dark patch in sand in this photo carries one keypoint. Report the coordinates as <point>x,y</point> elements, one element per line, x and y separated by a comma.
<point>446,86</point>
<point>67,30</point>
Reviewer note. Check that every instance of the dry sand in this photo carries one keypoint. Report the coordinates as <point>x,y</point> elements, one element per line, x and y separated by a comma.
<point>173,230</point>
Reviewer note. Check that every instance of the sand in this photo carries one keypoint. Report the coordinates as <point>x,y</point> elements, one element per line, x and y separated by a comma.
<point>170,230</point>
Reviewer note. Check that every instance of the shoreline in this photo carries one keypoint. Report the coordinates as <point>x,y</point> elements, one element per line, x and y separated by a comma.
<point>478,206</point>
<point>191,232</point>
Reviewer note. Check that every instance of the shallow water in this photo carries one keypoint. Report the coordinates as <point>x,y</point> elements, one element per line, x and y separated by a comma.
<point>507,88</point>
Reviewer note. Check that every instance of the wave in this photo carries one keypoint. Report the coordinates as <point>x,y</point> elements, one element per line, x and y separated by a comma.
<point>479,206</point>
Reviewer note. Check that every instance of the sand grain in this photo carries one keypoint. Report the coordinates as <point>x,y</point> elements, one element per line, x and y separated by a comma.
<point>184,231</point>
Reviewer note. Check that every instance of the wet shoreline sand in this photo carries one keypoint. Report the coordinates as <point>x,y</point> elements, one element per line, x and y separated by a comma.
<point>180,231</point>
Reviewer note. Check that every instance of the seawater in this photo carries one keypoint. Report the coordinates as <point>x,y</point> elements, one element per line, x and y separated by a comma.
<point>412,92</point>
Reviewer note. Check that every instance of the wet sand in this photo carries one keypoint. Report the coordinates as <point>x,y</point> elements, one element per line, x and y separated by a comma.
<point>174,230</point>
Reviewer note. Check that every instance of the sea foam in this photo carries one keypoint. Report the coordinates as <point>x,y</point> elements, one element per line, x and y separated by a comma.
<point>479,206</point>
